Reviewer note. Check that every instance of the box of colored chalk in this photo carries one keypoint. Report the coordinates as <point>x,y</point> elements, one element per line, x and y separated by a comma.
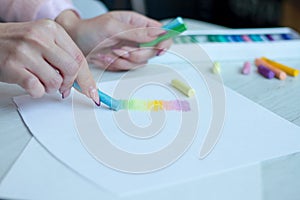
<point>237,44</point>
<point>238,36</point>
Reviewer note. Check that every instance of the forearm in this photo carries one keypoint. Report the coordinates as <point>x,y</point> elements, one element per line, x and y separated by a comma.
<point>29,10</point>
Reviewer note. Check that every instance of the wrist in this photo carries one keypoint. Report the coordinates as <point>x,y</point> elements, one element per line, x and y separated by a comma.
<point>69,20</point>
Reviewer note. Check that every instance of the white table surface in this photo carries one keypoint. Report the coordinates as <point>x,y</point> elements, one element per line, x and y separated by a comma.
<point>283,98</point>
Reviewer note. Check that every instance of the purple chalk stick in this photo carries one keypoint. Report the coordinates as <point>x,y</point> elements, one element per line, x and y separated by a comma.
<point>266,72</point>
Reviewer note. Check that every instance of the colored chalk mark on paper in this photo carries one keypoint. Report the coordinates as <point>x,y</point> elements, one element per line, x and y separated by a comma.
<point>141,105</point>
<point>153,105</point>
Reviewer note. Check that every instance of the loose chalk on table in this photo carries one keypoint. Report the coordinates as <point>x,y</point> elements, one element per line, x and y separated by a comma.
<point>288,70</point>
<point>278,73</point>
<point>182,87</point>
<point>216,68</point>
<point>246,68</point>
<point>266,72</point>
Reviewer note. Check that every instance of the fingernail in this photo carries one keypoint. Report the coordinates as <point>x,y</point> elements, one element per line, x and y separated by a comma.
<point>163,32</point>
<point>122,53</point>
<point>66,93</point>
<point>157,32</point>
<point>94,95</point>
<point>97,104</point>
<point>106,59</point>
<point>160,52</point>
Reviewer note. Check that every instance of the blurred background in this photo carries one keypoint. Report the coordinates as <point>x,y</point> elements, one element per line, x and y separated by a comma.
<point>229,13</point>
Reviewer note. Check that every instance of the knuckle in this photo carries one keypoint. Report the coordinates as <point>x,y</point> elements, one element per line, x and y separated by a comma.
<point>32,32</point>
<point>72,69</point>
<point>33,86</point>
<point>79,58</point>
<point>138,58</point>
<point>76,64</point>
<point>40,32</point>
<point>8,62</point>
<point>31,37</point>
<point>48,25</point>
<point>30,82</point>
<point>72,65</point>
<point>19,50</point>
<point>54,83</point>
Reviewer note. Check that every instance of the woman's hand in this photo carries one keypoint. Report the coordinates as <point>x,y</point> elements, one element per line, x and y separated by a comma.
<point>41,57</point>
<point>112,40</point>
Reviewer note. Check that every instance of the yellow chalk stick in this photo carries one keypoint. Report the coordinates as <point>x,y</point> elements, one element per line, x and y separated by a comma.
<point>278,73</point>
<point>182,87</point>
<point>216,68</point>
<point>290,71</point>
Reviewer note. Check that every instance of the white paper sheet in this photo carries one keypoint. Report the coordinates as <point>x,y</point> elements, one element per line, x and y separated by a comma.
<point>46,178</point>
<point>37,175</point>
<point>251,134</point>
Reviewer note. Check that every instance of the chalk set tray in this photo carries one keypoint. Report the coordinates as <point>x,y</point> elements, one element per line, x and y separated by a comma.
<point>238,35</point>
<point>285,46</point>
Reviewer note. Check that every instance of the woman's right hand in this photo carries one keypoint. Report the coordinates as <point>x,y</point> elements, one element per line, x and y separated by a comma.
<point>41,57</point>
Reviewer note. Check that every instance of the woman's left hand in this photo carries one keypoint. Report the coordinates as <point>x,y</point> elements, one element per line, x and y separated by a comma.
<point>111,41</point>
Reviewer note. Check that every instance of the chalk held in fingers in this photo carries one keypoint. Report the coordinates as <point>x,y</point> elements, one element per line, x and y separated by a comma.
<point>266,72</point>
<point>246,68</point>
<point>174,28</point>
<point>216,68</point>
<point>182,87</point>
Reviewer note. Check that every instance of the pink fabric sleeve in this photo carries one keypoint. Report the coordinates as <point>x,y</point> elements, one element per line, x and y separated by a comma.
<point>28,10</point>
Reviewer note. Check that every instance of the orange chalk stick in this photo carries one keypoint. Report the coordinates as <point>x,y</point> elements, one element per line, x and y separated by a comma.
<point>290,71</point>
<point>278,73</point>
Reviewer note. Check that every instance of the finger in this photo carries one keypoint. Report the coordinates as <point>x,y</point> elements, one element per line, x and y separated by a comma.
<point>137,35</point>
<point>65,64</point>
<point>65,42</point>
<point>121,53</point>
<point>166,44</point>
<point>100,60</point>
<point>74,58</point>
<point>140,55</point>
<point>48,75</point>
<point>121,64</point>
<point>24,78</point>
<point>87,83</point>
<point>114,63</point>
<point>163,46</point>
